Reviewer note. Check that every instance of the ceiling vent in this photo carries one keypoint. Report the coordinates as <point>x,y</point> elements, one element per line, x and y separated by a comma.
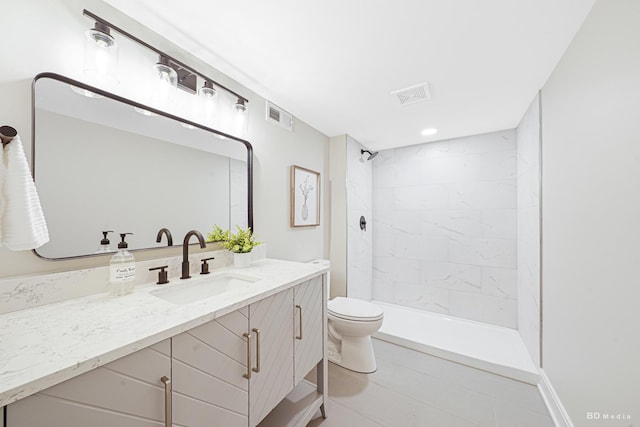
<point>411,95</point>
<point>277,115</point>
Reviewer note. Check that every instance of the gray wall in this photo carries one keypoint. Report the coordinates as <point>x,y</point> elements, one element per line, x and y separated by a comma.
<point>590,213</point>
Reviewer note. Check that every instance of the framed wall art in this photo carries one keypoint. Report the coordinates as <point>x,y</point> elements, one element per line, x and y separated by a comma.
<point>305,197</point>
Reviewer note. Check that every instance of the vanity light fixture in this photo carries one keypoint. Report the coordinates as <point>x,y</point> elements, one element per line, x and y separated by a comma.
<point>207,90</point>
<point>185,76</point>
<point>165,73</point>
<point>100,54</point>
<point>240,106</point>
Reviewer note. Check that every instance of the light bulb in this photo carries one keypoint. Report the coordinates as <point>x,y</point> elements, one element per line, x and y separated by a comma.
<point>100,55</point>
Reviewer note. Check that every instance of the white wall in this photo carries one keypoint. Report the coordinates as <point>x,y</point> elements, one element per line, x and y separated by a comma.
<point>445,227</point>
<point>590,218</point>
<point>33,42</point>
<point>528,134</point>
<point>359,203</point>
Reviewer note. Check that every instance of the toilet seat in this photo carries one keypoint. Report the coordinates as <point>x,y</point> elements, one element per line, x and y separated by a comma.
<point>354,310</point>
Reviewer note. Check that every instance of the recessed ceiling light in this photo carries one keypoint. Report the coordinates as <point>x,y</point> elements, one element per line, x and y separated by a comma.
<point>429,131</point>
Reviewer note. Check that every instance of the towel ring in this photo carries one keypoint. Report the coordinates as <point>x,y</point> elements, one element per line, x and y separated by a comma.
<point>7,133</point>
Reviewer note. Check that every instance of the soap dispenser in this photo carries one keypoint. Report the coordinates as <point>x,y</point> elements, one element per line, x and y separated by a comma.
<point>104,243</point>
<point>122,269</point>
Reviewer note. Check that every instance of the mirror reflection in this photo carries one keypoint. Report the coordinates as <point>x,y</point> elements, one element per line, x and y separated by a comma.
<point>101,165</point>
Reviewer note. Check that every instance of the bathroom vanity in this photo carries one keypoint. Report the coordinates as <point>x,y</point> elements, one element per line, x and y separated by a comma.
<point>235,357</point>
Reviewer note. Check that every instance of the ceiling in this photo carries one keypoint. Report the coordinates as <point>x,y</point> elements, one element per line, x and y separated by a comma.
<point>334,63</point>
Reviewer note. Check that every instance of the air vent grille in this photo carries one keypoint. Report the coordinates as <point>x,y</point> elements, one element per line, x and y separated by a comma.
<point>411,95</point>
<point>277,115</point>
<point>274,114</point>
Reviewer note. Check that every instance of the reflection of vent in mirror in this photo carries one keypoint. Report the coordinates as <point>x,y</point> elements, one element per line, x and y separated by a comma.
<point>411,95</point>
<point>277,115</point>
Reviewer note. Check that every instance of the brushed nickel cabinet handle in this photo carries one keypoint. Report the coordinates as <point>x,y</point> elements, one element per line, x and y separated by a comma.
<point>248,374</point>
<point>257,368</point>
<point>167,400</point>
<point>299,337</point>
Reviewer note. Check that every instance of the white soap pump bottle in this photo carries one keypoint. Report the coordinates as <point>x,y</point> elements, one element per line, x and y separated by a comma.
<point>122,269</point>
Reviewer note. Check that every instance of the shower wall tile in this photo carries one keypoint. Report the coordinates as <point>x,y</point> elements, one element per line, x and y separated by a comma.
<point>445,227</point>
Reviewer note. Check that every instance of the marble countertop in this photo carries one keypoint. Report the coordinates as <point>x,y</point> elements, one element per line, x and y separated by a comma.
<point>44,346</point>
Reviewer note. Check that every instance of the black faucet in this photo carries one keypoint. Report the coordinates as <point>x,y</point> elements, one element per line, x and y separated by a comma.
<point>185,251</point>
<point>166,232</point>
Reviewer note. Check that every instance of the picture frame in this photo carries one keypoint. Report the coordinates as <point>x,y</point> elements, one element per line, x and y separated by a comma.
<point>305,197</point>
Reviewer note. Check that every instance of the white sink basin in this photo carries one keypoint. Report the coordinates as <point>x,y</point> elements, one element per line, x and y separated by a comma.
<point>187,291</point>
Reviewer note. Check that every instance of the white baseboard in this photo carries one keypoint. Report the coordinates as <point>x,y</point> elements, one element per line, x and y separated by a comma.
<point>554,405</point>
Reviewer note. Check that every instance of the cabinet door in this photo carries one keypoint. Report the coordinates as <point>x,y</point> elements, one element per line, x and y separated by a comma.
<point>309,327</point>
<point>208,363</point>
<point>273,318</point>
<point>126,393</point>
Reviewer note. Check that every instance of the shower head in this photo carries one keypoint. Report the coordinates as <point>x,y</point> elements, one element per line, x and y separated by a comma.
<point>371,155</point>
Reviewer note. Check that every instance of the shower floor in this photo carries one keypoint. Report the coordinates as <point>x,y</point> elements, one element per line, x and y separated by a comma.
<point>488,347</point>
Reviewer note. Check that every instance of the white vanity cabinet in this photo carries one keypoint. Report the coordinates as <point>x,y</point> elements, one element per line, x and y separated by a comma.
<point>309,326</point>
<point>127,392</point>
<point>271,321</point>
<point>208,366</point>
<point>229,372</point>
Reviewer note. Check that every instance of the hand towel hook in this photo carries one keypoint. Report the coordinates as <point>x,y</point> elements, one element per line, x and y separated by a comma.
<point>7,133</point>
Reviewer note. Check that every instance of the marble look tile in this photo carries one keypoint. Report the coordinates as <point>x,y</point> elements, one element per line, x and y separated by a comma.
<point>483,195</point>
<point>401,270</point>
<point>421,197</point>
<point>483,308</point>
<point>484,252</point>
<point>500,282</point>
<point>425,298</point>
<point>452,276</point>
<point>500,223</point>
<point>450,203</point>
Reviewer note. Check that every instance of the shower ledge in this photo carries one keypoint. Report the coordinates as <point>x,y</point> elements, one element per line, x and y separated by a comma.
<point>494,349</point>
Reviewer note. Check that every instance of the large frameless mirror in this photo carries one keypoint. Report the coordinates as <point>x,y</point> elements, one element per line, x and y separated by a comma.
<point>102,162</point>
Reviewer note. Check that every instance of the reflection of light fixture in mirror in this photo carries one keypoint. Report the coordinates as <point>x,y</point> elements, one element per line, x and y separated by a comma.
<point>207,90</point>
<point>85,92</point>
<point>187,125</point>
<point>240,106</point>
<point>100,54</point>
<point>429,132</point>
<point>144,112</point>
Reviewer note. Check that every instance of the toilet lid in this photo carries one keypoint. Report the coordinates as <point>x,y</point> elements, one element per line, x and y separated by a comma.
<point>354,309</point>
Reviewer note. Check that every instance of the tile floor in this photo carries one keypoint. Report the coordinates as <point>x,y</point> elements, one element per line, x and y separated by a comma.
<point>414,389</point>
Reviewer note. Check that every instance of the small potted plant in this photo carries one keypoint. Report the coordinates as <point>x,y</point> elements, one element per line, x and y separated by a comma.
<point>241,244</point>
<point>218,234</point>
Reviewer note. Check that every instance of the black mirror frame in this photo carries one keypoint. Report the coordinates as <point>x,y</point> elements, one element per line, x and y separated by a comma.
<point>115,97</point>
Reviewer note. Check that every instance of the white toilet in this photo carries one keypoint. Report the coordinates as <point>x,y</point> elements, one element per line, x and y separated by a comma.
<point>351,322</point>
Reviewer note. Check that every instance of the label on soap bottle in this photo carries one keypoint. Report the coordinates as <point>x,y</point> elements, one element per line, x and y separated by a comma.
<point>122,273</point>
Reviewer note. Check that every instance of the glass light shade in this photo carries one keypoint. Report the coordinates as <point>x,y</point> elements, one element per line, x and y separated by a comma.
<point>208,91</point>
<point>165,86</point>
<point>240,106</point>
<point>100,56</point>
<point>240,121</point>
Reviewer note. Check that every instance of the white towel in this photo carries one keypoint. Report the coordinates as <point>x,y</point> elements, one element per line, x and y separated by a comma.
<point>23,225</point>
